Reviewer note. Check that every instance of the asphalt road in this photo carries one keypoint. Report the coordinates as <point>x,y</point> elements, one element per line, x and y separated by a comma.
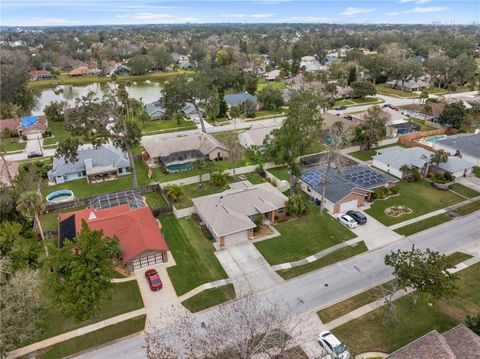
<point>320,288</point>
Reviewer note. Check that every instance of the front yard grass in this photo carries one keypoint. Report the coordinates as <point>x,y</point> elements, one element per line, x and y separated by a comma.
<point>193,253</point>
<point>125,298</point>
<point>385,90</point>
<point>411,323</point>
<point>301,237</point>
<point>164,125</point>
<point>468,208</point>
<point>421,197</point>
<point>464,191</point>
<point>93,339</point>
<point>367,155</point>
<point>423,224</point>
<point>13,144</point>
<point>476,171</point>
<point>371,295</point>
<point>337,256</point>
<point>280,172</point>
<point>366,100</point>
<point>209,298</point>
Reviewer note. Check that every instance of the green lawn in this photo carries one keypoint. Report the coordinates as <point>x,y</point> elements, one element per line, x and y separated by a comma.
<point>253,177</point>
<point>421,197</point>
<point>155,200</point>
<point>279,85</point>
<point>59,133</point>
<point>366,100</point>
<point>371,295</point>
<point>209,298</point>
<point>270,113</point>
<point>93,339</point>
<point>476,171</point>
<point>411,323</point>
<point>367,155</point>
<point>125,298</point>
<point>422,124</point>
<point>423,224</point>
<point>385,90</point>
<point>464,191</point>
<point>337,256</point>
<point>197,190</point>
<point>49,221</point>
<point>164,125</point>
<point>193,253</point>
<point>280,172</point>
<point>301,237</point>
<point>315,147</point>
<point>12,144</point>
<point>468,208</point>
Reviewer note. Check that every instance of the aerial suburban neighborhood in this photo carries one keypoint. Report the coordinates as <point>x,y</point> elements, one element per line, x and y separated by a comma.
<point>240,179</point>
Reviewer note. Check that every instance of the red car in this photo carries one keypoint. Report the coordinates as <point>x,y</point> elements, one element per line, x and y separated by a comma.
<point>153,279</point>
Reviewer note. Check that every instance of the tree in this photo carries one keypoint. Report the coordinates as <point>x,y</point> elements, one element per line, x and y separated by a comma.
<point>296,205</point>
<point>140,65</point>
<point>454,114</point>
<point>21,308</point>
<point>19,245</point>
<point>212,107</point>
<point>235,112</point>
<point>427,272</point>
<point>161,58</point>
<point>200,165</point>
<point>270,97</point>
<point>250,328</point>
<point>438,157</point>
<point>9,110</point>
<point>218,178</point>
<point>181,89</point>
<point>377,66</point>
<point>405,70</point>
<point>363,88</point>
<point>248,108</point>
<point>372,129</point>
<point>424,96</point>
<point>352,75</point>
<point>54,111</point>
<point>302,126</point>
<point>13,87</point>
<point>174,191</point>
<point>338,138</point>
<point>251,82</point>
<point>81,272</point>
<point>473,323</point>
<point>235,149</point>
<point>30,204</point>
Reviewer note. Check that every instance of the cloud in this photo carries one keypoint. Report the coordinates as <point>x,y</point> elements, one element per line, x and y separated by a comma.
<point>150,16</point>
<point>351,11</point>
<point>53,21</point>
<point>234,16</point>
<point>261,16</point>
<point>424,10</point>
<point>308,19</point>
<point>414,1</point>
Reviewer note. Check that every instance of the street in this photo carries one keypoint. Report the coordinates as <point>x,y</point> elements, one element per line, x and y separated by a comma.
<point>318,289</point>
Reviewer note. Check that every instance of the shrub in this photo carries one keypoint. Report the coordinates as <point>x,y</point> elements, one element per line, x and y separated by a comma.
<point>447,176</point>
<point>174,191</point>
<point>296,205</point>
<point>258,222</point>
<point>260,170</point>
<point>473,323</point>
<point>219,178</point>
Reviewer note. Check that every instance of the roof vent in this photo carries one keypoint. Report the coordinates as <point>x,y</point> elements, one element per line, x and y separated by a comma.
<point>92,216</point>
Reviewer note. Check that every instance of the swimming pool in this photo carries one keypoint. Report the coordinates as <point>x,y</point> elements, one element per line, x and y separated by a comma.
<point>432,139</point>
<point>180,167</point>
<point>62,195</point>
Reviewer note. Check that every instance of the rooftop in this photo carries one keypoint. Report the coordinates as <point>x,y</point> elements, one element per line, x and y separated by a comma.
<point>468,144</point>
<point>238,98</point>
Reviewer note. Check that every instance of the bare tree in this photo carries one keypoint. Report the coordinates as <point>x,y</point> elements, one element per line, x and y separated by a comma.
<point>248,327</point>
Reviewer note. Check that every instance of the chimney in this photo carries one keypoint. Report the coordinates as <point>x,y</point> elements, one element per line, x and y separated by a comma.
<point>88,164</point>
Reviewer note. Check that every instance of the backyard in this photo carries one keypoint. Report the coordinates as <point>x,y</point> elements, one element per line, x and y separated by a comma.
<point>367,155</point>
<point>411,323</point>
<point>301,237</point>
<point>421,197</point>
<point>193,253</point>
<point>280,172</point>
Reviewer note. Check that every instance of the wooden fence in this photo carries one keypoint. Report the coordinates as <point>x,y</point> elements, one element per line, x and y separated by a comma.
<point>411,139</point>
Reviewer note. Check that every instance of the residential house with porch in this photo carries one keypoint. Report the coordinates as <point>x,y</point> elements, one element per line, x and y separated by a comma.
<point>179,153</point>
<point>101,164</point>
<point>36,75</point>
<point>422,112</point>
<point>231,216</point>
<point>408,85</point>
<point>79,72</point>
<point>25,125</point>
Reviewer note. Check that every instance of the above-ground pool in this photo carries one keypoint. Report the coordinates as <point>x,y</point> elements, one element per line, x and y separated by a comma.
<point>432,139</point>
<point>180,167</point>
<point>62,195</point>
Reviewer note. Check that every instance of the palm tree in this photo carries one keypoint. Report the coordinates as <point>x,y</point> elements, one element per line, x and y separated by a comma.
<point>405,169</point>
<point>30,204</point>
<point>200,165</point>
<point>438,157</point>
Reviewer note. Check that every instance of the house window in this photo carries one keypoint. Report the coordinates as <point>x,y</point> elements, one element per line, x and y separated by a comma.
<point>281,210</point>
<point>120,170</point>
<point>127,169</point>
<point>84,173</point>
<point>79,175</point>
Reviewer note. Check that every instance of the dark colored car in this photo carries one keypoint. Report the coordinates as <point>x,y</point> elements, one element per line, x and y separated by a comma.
<point>338,108</point>
<point>153,279</point>
<point>359,217</point>
<point>34,154</point>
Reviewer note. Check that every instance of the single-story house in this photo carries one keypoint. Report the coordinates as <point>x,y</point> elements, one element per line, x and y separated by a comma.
<point>25,125</point>
<point>391,159</point>
<point>137,230</point>
<point>121,69</point>
<point>8,172</point>
<point>408,85</point>
<point>271,75</point>
<point>347,188</point>
<point>329,119</point>
<point>465,146</point>
<point>79,72</point>
<point>40,75</point>
<point>100,164</point>
<point>456,343</point>
<point>155,110</point>
<point>394,116</point>
<point>230,215</point>
<point>179,153</point>
<point>344,92</point>
<point>419,112</point>
<point>255,136</point>
<point>237,99</point>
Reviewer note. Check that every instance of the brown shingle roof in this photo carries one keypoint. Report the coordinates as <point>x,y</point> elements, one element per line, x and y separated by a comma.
<point>437,108</point>
<point>464,342</point>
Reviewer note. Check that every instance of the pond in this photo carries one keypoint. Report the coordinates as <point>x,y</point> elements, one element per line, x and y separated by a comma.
<point>147,91</point>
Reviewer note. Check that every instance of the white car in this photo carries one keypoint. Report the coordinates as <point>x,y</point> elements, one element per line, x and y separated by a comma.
<point>333,346</point>
<point>346,220</point>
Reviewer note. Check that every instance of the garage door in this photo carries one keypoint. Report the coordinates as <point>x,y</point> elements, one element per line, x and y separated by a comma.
<point>345,206</point>
<point>147,261</point>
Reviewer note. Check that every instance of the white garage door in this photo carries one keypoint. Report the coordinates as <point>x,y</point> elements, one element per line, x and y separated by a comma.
<point>345,206</point>
<point>147,261</point>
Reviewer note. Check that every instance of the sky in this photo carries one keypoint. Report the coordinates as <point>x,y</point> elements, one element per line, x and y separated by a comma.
<point>106,12</point>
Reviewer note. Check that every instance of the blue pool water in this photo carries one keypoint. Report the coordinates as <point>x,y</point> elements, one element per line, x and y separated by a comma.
<point>180,167</point>
<point>60,196</point>
<point>433,139</point>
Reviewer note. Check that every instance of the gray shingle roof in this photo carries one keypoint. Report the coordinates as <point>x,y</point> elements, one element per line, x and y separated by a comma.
<point>106,155</point>
<point>239,98</point>
<point>468,144</point>
<point>155,109</point>
<point>396,156</point>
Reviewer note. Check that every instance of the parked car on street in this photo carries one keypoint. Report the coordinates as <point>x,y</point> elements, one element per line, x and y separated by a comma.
<point>34,154</point>
<point>342,107</point>
<point>333,346</point>
<point>359,217</point>
<point>346,220</point>
<point>153,279</point>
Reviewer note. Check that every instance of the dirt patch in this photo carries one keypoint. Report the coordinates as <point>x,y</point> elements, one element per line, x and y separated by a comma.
<point>397,211</point>
<point>262,232</point>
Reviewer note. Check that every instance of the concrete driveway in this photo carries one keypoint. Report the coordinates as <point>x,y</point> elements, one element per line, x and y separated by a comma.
<point>375,234</point>
<point>472,182</point>
<point>34,143</point>
<point>247,268</point>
